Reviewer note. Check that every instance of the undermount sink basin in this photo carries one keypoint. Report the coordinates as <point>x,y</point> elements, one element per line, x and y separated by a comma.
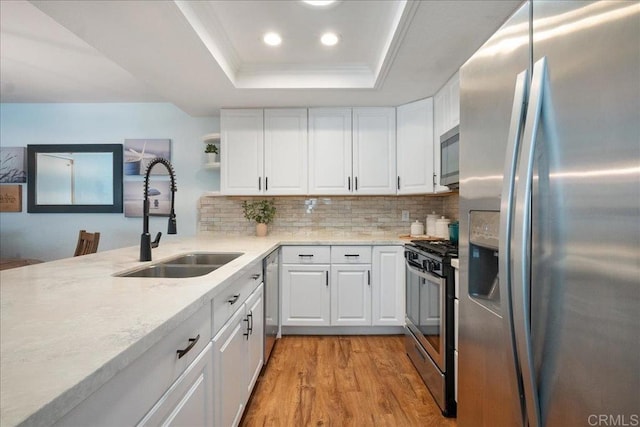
<point>203,258</point>
<point>186,265</point>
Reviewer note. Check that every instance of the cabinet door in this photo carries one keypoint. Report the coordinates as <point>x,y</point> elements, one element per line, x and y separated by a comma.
<point>255,353</point>
<point>330,163</point>
<point>446,115</point>
<point>351,294</point>
<point>305,295</point>
<point>388,286</point>
<point>454,101</point>
<point>230,370</point>
<point>374,150</point>
<point>415,147</point>
<point>285,151</point>
<point>188,402</point>
<point>241,152</point>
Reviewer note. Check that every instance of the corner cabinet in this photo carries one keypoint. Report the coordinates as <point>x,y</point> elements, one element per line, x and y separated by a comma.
<point>446,114</point>
<point>415,147</point>
<point>374,151</point>
<point>264,152</point>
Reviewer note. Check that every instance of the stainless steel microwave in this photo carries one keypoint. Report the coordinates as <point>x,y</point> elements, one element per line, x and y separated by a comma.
<point>449,155</point>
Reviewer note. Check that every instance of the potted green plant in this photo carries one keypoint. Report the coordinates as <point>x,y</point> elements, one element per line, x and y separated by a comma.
<point>212,152</point>
<point>260,211</point>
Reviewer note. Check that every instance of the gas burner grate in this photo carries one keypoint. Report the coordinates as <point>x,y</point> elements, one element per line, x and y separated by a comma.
<point>440,247</point>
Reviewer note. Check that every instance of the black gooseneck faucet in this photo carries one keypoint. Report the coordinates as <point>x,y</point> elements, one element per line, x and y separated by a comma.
<point>145,239</point>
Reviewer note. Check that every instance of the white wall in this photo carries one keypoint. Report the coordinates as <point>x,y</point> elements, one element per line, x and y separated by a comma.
<point>53,236</point>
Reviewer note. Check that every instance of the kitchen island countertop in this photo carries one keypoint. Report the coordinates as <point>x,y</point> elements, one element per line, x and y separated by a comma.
<point>69,326</point>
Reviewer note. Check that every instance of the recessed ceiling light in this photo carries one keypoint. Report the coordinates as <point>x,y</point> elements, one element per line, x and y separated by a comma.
<point>319,3</point>
<point>329,39</point>
<point>272,39</point>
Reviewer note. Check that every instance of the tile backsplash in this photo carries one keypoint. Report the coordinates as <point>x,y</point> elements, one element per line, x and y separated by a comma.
<point>334,214</point>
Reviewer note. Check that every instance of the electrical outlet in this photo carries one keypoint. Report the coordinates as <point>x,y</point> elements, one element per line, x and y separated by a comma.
<point>405,215</point>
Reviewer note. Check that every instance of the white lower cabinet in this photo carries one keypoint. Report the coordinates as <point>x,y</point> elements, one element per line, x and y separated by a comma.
<point>305,295</point>
<point>388,286</point>
<point>229,357</point>
<point>362,286</point>
<point>189,400</point>
<point>351,294</point>
<point>237,360</point>
<point>255,340</point>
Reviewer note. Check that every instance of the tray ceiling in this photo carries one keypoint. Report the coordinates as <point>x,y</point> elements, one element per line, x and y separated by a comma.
<point>206,55</point>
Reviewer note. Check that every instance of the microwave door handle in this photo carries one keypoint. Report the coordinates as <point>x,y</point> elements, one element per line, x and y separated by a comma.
<point>506,217</point>
<point>522,241</point>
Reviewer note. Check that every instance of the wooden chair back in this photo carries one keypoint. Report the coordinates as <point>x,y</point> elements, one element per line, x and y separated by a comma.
<point>87,243</point>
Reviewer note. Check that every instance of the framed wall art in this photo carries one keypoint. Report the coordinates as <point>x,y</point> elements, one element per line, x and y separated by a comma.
<point>13,165</point>
<point>10,198</point>
<point>139,152</point>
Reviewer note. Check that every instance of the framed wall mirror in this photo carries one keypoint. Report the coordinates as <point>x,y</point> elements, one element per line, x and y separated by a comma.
<point>74,178</point>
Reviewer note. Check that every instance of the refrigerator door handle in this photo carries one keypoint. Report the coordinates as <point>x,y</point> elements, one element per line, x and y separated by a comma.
<point>522,244</point>
<point>516,125</point>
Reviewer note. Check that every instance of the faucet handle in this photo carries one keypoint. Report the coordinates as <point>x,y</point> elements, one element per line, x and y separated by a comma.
<point>156,242</point>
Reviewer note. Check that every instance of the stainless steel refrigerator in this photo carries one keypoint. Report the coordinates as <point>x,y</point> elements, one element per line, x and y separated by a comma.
<point>549,331</point>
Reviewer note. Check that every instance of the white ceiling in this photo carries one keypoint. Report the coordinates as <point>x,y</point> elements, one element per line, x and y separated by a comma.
<point>206,55</point>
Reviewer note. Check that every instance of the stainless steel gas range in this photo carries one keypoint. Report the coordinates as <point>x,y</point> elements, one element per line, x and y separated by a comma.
<point>429,329</point>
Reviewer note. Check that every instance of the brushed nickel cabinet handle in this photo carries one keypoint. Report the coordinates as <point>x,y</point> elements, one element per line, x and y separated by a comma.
<point>233,299</point>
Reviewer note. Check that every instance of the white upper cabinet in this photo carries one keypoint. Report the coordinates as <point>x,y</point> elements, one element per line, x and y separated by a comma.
<point>330,164</point>
<point>446,113</point>
<point>415,147</point>
<point>263,152</point>
<point>241,152</point>
<point>374,151</point>
<point>285,151</point>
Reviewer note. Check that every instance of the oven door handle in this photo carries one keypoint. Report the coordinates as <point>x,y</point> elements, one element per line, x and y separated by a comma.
<point>426,275</point>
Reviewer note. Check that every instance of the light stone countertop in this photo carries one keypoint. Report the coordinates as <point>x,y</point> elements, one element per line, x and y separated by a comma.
<point>455,263</point>
<point>69,326</point>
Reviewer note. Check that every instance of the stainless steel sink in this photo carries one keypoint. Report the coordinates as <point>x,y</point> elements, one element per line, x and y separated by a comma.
<point>203,258</point>
<point>186,265</point>
<point>171,271</point>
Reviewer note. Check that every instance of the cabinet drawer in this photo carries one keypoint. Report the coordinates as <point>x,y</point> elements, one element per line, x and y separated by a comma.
<point>225,304</point>
<point>351,254</point>
<point>126,398</point>
<point>306,254</point>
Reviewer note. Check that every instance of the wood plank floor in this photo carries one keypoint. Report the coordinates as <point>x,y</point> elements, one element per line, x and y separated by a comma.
<point>342,381</point>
